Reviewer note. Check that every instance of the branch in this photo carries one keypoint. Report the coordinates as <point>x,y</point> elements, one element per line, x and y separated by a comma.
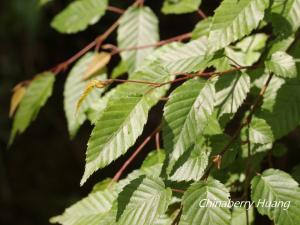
<point>245,123</point>
<point>133,156</point>
<point>115,9</point>
<point>96,42</point>
<point>202,14</point>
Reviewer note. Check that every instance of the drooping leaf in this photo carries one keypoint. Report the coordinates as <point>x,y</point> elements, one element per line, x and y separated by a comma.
<point>180,6</point>
<point>282,191</point>
<point>18,94</point>
<point>260,132</point>
<point>138,27</point>
<point>124,119</point>
<point>186,115</point>
<point>235,19</point>
<point>191,57</point>
<point>35,97</point>
<point>143,201</point>
<point>73,90</point>
<point>231,91</point>
<point>282,64</point>
<point>194,202</point>
<point>78,15</point>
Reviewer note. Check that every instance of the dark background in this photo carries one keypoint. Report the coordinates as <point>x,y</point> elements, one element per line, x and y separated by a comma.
<point>40,173</point>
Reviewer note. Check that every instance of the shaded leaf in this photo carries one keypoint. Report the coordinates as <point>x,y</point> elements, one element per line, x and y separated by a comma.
<point>231,91</point>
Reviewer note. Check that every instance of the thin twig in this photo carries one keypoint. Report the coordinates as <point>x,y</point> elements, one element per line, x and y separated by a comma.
<point>202,14</point>
<point>96,42</point>
<point>115,9</point>
<point>133,156</point>
<point>116,50</point>
<point>157,141</point>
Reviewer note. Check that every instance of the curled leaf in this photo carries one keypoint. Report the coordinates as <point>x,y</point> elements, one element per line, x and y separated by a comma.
<point>89,87</point>
<point>18,94</point>
<point>99,61</point>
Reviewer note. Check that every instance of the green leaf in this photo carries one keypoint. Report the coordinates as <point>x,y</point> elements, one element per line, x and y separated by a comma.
<point>282,64</point>
<point>285,16</point>
<point>254,42</point>
<point>234,19</point>
<point>90,210</point>
<point>123,119</point>
<point>119,70</point>
<point>191,165</point>
<point>186,115</point>
<point>78,15</point>
<point>191,57</point>
<point>37,93</point>
<point>231,91</point>
<point>202,28</point>
<point>153,158</point>
<point>143,201</point>
<point>74,88</point>
<point>194,210</point>
<point>247,51</point>
<point>260,132</point>
<point>282,191</point>
<point>180,6</point>
<point>138,27</point>
<point>239,216</point>
<point>281,107</point>
<point>96,108</point>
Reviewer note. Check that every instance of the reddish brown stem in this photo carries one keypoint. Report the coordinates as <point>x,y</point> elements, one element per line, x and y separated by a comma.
<point>116,50</point>
<point>133,156</point>
<point>202,14</point>
<point>115,9</point>
<point>96,42</point>
<point>157,141</point>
